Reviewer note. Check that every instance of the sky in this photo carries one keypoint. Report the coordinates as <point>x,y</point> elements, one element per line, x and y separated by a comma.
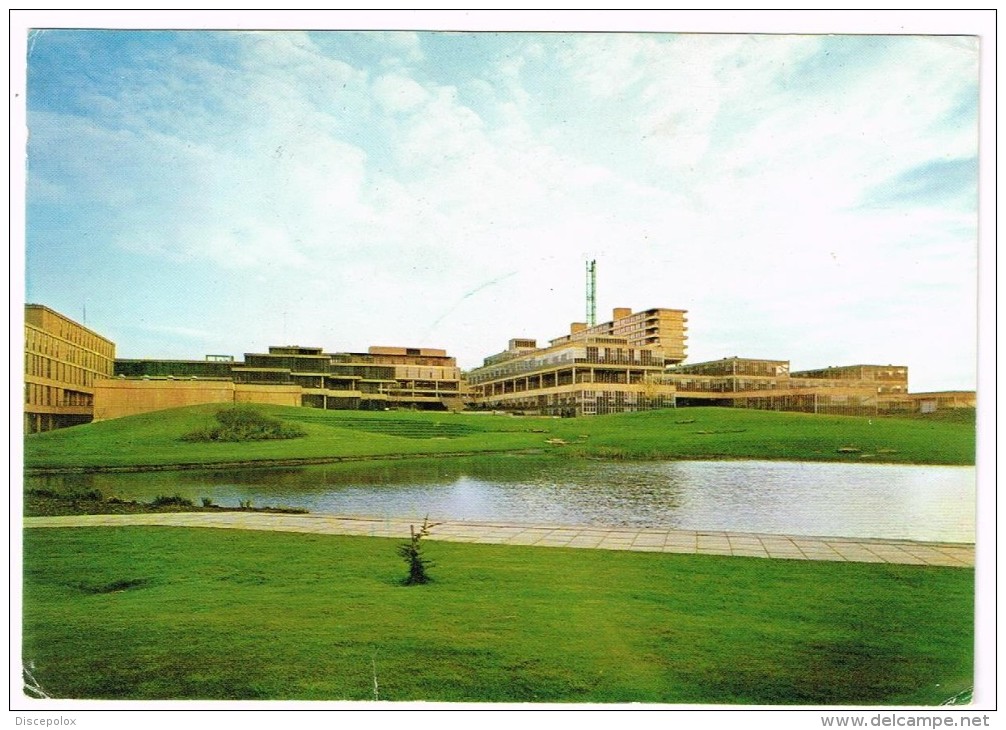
<point>812,198</point>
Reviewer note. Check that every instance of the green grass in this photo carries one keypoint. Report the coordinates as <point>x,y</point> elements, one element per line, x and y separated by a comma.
<point>694,433</point>
<point>152,613</point>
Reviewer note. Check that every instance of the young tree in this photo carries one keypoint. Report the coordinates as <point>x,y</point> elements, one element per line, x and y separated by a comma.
<point>412,553</point>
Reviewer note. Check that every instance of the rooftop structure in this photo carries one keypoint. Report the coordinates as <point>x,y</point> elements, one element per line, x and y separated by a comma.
<point>663,329</point>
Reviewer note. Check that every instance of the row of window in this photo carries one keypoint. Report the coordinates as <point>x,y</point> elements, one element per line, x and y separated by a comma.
<point>865,373</point>
<point>620,355</point>
<point>586,402</point>
<point>74,334</point>
<point>50,395</point>
<point>429,374</point>
<point>42,343</point>
<point>39,366</point>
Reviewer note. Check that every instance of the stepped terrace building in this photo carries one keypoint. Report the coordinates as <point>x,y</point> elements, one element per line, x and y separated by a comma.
<point>62,362</point>
<point>609,368</point>
<point>383,377</point>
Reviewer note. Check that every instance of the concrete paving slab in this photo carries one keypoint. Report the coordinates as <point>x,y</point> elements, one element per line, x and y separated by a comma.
<point>679,549</point>
<point>681,542</point>
<point>749,552</point>
<point>672,541</point>
<point>647,541</point>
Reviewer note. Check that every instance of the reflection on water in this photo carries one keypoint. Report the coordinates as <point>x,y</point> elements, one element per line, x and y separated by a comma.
<point>849,500</point>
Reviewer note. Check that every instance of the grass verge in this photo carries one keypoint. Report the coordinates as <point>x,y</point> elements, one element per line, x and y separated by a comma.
<point>162,613</point>
<point>156,439</point>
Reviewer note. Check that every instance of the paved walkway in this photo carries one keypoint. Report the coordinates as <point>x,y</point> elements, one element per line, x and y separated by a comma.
<point>707,542</point>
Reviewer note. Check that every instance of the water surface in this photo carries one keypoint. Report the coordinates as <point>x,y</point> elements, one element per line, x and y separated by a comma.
<point>796,498</point>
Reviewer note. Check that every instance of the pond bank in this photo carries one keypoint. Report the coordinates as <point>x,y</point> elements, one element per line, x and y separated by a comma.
<point>270,463</point>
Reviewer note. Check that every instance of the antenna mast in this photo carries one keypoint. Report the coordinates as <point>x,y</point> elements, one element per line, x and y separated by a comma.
<point>591,293</point>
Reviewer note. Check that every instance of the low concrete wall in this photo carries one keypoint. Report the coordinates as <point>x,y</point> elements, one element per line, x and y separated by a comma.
<point>115,398</point>
<point>275,395</point>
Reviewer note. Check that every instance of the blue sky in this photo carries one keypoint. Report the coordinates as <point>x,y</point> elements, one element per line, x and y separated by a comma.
<point>804,197</point>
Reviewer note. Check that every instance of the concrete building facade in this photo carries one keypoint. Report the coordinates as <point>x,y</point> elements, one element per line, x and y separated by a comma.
<point>290,375</point>
<point>62,362</point>
<point>633,362</point>
<point>383,377</point>
<point>771,385</point>
<point>612,367</point>
<point>120,397</point>
<point>661,329</point>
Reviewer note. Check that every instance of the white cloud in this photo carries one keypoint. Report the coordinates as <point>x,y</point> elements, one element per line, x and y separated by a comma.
<point>699,170</point>
<point>398,94</point>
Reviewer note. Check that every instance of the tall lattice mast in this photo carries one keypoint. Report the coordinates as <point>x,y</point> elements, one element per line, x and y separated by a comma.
<point>591,293</point>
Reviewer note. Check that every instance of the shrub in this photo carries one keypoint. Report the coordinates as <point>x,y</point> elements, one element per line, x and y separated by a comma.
<point>243,423</point>
<point>175,501</point>
<point>412,553</point>
<point>92,495</point>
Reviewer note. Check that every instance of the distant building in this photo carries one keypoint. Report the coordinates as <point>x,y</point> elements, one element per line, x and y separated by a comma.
<point>942,400</point>
<point>62,362</point>
<point>633,362</point>
<point>712,379</point>
<point>142,386</point>
<point>660,329</point>
<point>769,384</point>
<point>383,377</point>
<point>612,367</point>
<point>883,379</point>
<point>424,378</point>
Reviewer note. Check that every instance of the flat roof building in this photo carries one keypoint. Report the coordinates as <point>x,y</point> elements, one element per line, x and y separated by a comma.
<point>770,384</point>
<point>609,368</point>
<point>62,361</point>
<point>293,375</point>
<point>663,329</point>
<point>633,362</point>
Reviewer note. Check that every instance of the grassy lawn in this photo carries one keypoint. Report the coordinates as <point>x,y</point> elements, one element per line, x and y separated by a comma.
<point>688,433</point>
<point>145,613</point>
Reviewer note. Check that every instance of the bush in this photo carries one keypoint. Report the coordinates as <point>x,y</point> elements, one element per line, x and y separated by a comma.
<point>175,501</point>
<point>412,553</point>
<point>90,496</point>
<point>243,423</point>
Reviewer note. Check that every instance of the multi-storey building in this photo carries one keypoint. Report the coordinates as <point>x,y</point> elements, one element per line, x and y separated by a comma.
<point>383,377</point>
<point>633,362</point>
<point>213,367</point>
<point>62,362</point>
<point>769,384</point>
<point>662,329</point>
<point>730,375</point>
<point>883,379</point>
<point>609,368</point>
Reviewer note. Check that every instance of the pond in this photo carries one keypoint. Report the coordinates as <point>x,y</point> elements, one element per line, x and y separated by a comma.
<point>934,503</point>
